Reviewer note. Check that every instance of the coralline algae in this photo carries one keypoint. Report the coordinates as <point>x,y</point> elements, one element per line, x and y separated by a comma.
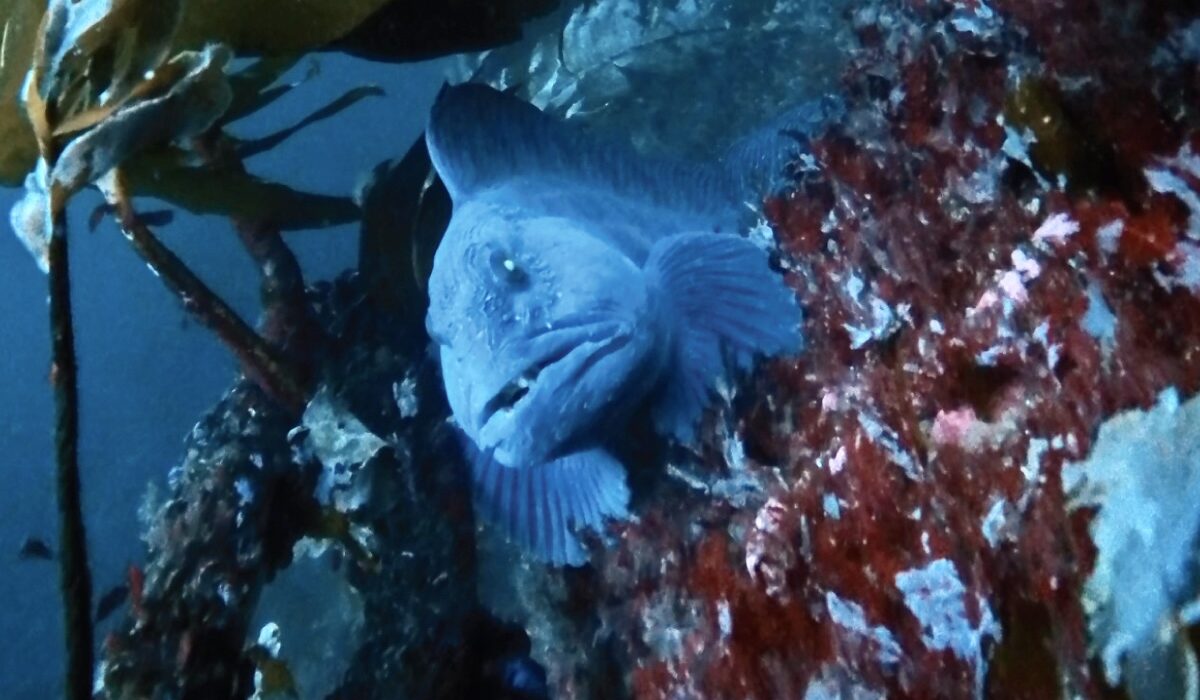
<point>989,151</point>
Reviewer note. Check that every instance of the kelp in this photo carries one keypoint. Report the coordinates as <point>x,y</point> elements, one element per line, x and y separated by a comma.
<point>96,54</point>
<point>30,217</point>
<point>256,86</point>
<point>100,90</point>
<point>403,30</point>
<point>405,209</point>
<point>330,110</point>
<point>18,149</point>
<point>133,36</point>
<point>89,69</point>
<point>188,109</point>
<point>86,125</point>
<point>75,576</point>
<point>130,97</point>
<point>630,65</point>
<point>271,26</point>
<point>172,176</point>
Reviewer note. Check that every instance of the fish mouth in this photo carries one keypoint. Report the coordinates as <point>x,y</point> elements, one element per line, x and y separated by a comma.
<point>517,389</point>
<point>576,348</point>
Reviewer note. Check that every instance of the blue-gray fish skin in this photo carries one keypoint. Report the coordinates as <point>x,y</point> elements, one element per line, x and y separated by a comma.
<point>575,283</point>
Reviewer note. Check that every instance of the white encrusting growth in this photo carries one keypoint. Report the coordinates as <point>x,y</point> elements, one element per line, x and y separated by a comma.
<point>850,616</point>
<point>936,597</point>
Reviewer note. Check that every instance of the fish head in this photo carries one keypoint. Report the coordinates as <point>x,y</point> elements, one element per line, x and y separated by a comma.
<point>545,332</point>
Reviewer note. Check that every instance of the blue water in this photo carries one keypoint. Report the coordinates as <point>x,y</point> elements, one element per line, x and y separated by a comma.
<point>147,373</point>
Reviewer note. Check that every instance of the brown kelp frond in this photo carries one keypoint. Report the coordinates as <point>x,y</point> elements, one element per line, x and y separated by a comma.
<point>91,55</point>
<point>101,92</point>
<point>18,32</point>
<point>261,363</point>
<point>75,575</point>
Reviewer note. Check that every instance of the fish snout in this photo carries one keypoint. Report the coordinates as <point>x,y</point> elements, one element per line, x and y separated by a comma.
<point>570,392</point>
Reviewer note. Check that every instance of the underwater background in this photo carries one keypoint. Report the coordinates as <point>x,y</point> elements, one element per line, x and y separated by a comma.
<point>147,371</point>
<point>979,477</point>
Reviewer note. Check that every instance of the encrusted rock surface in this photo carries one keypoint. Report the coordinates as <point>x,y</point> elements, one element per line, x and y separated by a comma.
<point>372,471</point>
<point>996,253</point>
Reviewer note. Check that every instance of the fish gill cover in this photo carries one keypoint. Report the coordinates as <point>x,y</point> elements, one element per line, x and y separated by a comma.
<point>995,250</point>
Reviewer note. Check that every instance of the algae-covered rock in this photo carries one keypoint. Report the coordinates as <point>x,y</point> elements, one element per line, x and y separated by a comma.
<point>1144,474</point>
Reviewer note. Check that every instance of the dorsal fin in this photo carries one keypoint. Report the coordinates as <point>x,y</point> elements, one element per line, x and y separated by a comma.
<point>758,161</point>
<point>480,138</point>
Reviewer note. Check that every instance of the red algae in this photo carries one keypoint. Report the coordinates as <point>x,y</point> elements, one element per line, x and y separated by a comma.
<point>956,282</point>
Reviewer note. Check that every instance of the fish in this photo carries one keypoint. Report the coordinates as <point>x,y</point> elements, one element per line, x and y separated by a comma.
<point>113,599</point>
<point>579,282</point>
<point>34,548</point>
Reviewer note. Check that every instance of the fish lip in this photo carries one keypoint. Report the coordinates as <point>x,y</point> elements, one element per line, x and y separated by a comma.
<point>610,336</point>
<point>517,389</point>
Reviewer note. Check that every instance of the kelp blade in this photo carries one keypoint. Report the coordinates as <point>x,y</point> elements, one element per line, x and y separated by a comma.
<point>18,148</point>
<point>203,190</point>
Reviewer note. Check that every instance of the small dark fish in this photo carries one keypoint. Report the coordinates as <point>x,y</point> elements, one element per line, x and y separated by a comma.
<point>158,217</point>
<point>110,601</point>
<point>33,548</point>
<point>578,281</point>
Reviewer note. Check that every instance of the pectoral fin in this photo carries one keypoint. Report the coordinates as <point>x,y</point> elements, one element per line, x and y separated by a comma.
<point>542,507</point>
<point>726,305</point>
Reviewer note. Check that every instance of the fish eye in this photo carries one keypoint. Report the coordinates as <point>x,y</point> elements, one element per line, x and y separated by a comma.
<point>506,269</point>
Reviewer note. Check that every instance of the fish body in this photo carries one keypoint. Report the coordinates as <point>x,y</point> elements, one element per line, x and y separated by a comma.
<point>578,281</point>
<point>34,548</point>
<point>112,599</point>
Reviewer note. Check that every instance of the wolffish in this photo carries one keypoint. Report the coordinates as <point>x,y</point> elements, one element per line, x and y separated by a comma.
<point>576,283</point>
